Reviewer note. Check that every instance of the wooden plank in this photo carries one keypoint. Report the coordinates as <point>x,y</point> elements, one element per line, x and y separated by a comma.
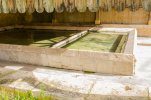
<point>81,5</point>
<point>39,6</point>
<point>149,19</point>
<point>70,40</point>
<point>58,5</point>
<point>133,5</point>
<point>21,6</point>
<point>1,6</point>
<point>12,6</point>
<point>48,5</point>
<point>54,27</point>
<point>146,5</point>
<point>98,18</point>
<point>119,5</point>
<point>30,6</point>
<point>69,5</point>
<point>4,6</point>
<point>93,5</point>
<point>106,5</point>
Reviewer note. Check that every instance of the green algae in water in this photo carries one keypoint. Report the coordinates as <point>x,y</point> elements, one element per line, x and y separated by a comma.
<point>96,42</point>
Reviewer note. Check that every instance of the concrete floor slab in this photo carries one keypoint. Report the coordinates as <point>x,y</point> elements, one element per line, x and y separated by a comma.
<point>144,41</point>
<point>117,91</point>
<point>64,80</point>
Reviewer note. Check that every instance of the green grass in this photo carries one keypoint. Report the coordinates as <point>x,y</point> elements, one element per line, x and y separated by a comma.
<point>11,94</point>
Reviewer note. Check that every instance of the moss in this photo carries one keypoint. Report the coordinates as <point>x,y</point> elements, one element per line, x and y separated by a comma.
<point>96,42</point>
<point>6,73</point>
<point>6,81</point>
<point>88,72</point>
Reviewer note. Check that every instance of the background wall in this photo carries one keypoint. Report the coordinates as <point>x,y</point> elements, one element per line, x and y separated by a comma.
<point>111,17</point>
<point>74,18</point>
<point>126,17</point>
<point>38,18</point>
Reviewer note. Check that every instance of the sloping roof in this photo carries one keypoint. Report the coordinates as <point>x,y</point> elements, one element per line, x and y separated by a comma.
<point>22,6</point>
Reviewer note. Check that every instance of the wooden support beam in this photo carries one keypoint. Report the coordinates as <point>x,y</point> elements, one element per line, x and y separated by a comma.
<point>149,20</point>
<point>28,17</point>
<point>98,18</point>
<point>53,27</point>
<point>70,40</point>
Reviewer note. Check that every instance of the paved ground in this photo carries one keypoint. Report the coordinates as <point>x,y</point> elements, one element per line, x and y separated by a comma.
<point>83,86</point>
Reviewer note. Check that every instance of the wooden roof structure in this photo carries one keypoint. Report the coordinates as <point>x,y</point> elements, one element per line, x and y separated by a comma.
<point>22,6</point>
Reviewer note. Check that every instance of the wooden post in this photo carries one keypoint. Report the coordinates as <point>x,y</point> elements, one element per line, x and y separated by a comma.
<point>98,18</point>
<point>28,18</point>
<point>149,20</point>
<point>54,19</point>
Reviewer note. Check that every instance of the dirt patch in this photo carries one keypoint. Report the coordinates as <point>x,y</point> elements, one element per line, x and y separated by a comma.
<point>127,88</point>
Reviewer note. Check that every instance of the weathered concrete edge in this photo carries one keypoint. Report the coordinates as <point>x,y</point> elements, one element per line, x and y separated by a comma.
<point>69,59</point>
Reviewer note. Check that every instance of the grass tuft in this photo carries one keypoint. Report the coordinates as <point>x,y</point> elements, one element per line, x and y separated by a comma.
<point>12,94</point>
